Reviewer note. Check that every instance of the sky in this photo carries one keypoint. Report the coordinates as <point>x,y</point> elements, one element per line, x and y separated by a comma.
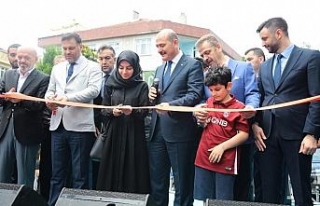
<point>235,21</point>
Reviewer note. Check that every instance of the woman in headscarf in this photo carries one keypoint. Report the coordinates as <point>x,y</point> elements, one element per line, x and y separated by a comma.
<point>124,165</point>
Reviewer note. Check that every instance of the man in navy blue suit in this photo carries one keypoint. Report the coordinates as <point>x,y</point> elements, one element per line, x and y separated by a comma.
<point>172,139</point>
<point>288,133</point>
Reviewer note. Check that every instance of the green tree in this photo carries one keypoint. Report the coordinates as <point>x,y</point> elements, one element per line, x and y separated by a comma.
<point>46,63</point>
<point>89,53</point>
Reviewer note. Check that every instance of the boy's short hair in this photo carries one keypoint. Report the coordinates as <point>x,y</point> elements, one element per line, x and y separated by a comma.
<point>218,75</point>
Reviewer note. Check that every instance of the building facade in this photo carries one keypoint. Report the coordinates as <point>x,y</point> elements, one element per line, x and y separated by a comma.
<point>139,36</point>
<point>4,62</point>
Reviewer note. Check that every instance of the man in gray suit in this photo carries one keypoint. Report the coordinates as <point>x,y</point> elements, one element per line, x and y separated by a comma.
<point>74,80</point>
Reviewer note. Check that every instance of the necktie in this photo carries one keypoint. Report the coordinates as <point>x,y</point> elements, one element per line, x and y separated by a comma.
<point>167,74</point>
<point>70,71</point>
<point>277,70</point>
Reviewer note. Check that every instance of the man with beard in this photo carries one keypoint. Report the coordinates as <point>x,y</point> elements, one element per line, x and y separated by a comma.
<point>292,73</point>
<point>75,80</point>
<point>12,53</point>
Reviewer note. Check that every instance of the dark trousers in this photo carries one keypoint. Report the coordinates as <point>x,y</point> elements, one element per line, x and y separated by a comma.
<point>242,182</point>
<point>45,165</point>
<point>180,156</point>
<point>66,146</point>
<point>278,151</point>
<point>257,178</point>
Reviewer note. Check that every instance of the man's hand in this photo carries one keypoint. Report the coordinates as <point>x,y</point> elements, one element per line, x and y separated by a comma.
<point>164,104</point>
<point>250,114</point>
<point>259,137</point>
<point>61,99</point>
<point>52,106</point>
<point>201,116</point>
<point>152,93</point>
<point>11,99</point>
<point>308,145</point>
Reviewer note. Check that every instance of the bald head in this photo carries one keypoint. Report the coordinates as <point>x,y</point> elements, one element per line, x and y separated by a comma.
<point>167,44</point>
<point>27,57</point>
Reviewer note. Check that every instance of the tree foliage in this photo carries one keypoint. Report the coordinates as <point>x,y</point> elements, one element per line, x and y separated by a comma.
<point>89,53</point>
<point>46,63</point>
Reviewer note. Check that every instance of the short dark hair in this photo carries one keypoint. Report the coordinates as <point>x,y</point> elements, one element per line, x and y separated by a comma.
<point>274,24</point>
<point>256,51</point>
<point>203,63</point>
<point>16,46</point>
<point>218,75</point>
<point>104,47</point>
<point>68,36</point>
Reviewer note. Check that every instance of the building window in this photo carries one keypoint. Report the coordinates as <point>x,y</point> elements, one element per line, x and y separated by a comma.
<point>143,46</point>
<point>115,46</point>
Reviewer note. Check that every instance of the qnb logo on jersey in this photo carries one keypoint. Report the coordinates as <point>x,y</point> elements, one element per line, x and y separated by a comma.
<point>215,120</point>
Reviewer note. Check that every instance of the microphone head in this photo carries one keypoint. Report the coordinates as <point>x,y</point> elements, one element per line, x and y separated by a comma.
<point>156,80</point>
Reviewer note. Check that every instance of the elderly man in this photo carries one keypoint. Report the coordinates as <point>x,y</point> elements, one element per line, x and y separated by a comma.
<point>21,126</point>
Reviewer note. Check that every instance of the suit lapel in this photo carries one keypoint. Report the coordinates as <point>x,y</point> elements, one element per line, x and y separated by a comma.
<point>175,72</point>
<point>232,65</point>
<point>160,73</point>
<point>81,67</point>
<point>293,59</point>
<point>15,79</point>
<point>29,79</point>
<point>270,71</point>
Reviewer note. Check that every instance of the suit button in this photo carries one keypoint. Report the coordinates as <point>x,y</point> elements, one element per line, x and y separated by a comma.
<point>65,92</point>
<point>275,95</point>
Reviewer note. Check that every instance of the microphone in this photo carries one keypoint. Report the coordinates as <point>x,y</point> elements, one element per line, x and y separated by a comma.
<point>156,86</point>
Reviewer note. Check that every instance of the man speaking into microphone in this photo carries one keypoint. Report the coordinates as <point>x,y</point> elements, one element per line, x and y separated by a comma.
<point>173,134</point>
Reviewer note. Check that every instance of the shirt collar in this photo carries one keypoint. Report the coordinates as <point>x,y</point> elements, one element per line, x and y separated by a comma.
<point>228,103</point>
<point>25,74</point>
<point>176,59</point>
<point>286,53</point>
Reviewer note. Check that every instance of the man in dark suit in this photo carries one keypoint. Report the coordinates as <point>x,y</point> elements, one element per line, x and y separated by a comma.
<point>21,127</point>
<point>172,134</point>
<point>288,133</point>
<point>12,53</point>
<point>106,59</point>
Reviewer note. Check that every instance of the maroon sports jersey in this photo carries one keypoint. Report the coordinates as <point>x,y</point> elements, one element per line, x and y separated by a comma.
<point>221,126</point>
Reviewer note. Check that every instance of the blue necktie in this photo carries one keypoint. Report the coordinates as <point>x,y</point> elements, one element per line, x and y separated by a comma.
<point>277,70</point>
<point>167,74</point>
<point>70,71</point>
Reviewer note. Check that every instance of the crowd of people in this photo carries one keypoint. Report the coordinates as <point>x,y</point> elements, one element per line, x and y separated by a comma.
<point>215,155</point>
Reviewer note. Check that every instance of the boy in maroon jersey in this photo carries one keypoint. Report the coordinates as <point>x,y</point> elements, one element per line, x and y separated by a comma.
<point>217,157</point>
